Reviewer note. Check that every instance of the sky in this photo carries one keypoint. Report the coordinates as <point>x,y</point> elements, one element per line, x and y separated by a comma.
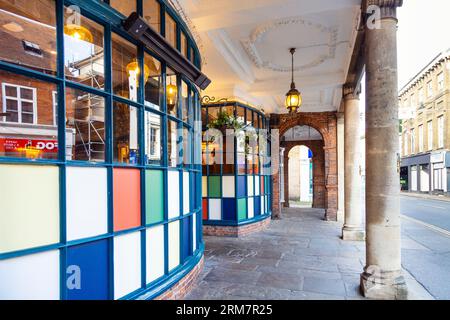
<point>423,32</point>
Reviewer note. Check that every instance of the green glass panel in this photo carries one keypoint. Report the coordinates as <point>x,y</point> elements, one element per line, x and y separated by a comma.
<point>154,186</point>
<point>214,186</point>
<point>242,209</point>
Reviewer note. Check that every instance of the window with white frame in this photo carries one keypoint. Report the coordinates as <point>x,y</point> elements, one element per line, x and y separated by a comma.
<point>421,138</point>
<point>413,141</point>
<point>441,132</point>
<point>429,88</point>
<point>405,134</point>
<point>430,135</point>
<point>440,79</point>
<point>413,101</point>
<point>19,104</point>
<point>421,96</point>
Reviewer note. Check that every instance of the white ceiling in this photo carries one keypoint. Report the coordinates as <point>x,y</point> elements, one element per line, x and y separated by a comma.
<point>245,47</point>
<point>302,133</point>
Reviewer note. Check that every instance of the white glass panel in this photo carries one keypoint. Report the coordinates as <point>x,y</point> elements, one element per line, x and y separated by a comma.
<point>87,208</point>
<point>251,209</point>
<point>173,192</point>
<point>215,210</point>
<point>250,185</point>
<point>228,187</point>
<point>127,264</point>
<point>174,244</point>
<point>155,253</point>
<point>31,277</point>
<point>257,187</point>
<point>186,193</point>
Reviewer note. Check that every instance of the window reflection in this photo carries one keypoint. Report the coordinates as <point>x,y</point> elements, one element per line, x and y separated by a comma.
<point>187,142</point>
<point>171,30</point>
<point>184,101</point>
<point>85,126</point>
<point>153,142</point>
<point>173,141</point>
<point>124,7</point>
<point>83,51</point>
<point>171,92</point>
<point>151,13</point>
<point>154,82</point>
<point>28,34</point>
<point>125,68</point>
<point>184,45</point>
<point>125,133</point>
<point>27,117</point>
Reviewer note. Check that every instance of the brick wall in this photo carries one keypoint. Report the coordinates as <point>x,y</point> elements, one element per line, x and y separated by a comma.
<point>44,94</point>
<point>236,231</point>
<point>184,286</point>
<point>326,124</point>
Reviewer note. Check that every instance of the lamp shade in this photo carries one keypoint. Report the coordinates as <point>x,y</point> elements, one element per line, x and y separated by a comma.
<point>171,93</point>
<point>293,100</point>
<point>134,66</point>
<point>78,32</point>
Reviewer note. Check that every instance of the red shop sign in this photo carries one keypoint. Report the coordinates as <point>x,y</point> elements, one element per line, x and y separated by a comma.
<point>16,145</point>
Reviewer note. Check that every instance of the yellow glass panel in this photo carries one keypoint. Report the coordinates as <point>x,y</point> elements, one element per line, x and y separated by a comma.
<point>29,206</point>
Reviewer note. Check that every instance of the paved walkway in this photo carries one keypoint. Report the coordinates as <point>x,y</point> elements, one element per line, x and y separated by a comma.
<point>300,257</point>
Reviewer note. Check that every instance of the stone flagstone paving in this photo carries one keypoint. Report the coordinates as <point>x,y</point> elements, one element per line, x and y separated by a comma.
<point>298,257</point>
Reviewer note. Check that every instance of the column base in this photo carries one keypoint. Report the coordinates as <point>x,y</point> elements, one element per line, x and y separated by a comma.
<point>353,233</point>
<point>383,285</point>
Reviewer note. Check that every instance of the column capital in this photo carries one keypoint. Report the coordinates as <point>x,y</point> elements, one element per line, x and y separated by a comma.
<point>388,8</point>
<point>350,92</point>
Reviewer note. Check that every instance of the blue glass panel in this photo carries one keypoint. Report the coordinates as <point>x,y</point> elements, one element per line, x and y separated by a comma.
<point>229,209</point>
<point>257,206</point>
<point>186,246</point>
<point>241,186</point>
<point>90,261</point>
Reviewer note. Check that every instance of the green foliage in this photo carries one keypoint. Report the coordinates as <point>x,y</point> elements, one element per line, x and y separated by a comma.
<point>225,121</point>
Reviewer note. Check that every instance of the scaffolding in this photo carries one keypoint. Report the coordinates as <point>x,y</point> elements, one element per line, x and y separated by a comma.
<point>89,111</point>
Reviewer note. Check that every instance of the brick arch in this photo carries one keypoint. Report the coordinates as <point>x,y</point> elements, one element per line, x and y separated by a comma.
<point>326,124</point>
<point>316,147</point>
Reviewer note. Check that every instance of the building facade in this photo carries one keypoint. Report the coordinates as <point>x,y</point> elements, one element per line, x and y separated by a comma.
<point>425,134</point>
<point>100,163</point>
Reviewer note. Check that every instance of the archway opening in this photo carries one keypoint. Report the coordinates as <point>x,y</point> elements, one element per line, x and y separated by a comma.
<point>300,177</point>
<point>303,183</point>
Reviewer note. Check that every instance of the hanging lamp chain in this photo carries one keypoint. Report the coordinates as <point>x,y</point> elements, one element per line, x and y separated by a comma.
<point>292,70</point>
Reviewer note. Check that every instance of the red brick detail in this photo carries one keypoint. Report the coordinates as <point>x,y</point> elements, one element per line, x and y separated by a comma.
<point>236,231</point>
<point>185,285</point>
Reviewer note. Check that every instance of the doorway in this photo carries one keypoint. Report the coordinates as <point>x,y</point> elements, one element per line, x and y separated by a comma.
<point>300,177</point>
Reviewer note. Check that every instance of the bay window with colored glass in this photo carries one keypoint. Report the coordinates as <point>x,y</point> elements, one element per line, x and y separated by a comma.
<point>236,170</point>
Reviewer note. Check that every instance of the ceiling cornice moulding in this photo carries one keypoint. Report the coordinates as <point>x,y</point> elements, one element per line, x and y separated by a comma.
<point>260,32</point>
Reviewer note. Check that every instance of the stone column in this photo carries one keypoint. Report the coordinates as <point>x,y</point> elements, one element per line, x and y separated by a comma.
<point>382,277</point>
<point>353,229</point>
<point>286,179</point>
<point>341,167</point>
